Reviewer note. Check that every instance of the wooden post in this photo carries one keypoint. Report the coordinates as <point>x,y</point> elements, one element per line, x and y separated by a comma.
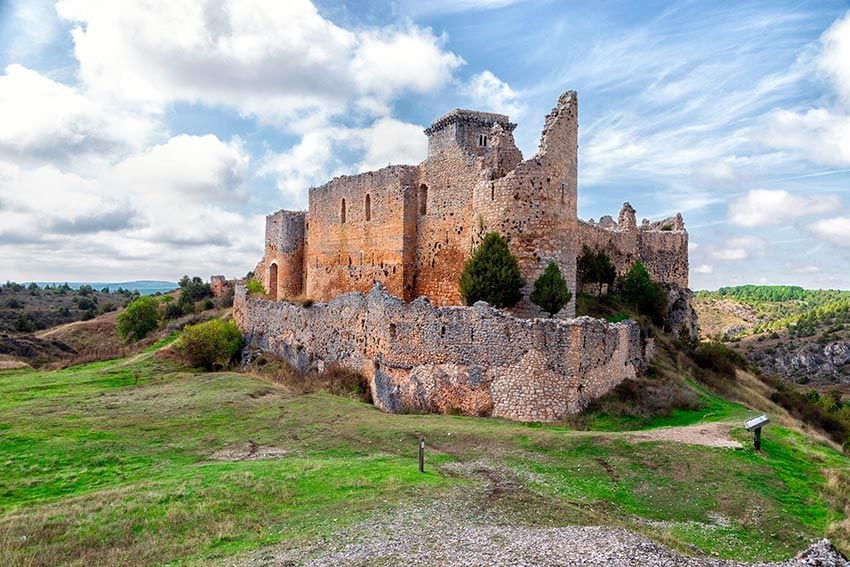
<point>422,455</point>
<point>757,439</point>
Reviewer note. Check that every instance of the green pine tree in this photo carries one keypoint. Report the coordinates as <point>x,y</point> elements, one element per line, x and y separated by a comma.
<point>550,290</point>
<point>647,297</point>
<point>492,274</point>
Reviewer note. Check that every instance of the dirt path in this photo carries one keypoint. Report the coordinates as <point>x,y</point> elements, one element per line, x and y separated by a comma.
<point>706,434</point>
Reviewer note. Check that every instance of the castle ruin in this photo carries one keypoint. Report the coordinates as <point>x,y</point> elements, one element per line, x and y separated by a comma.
<point>411,228</point>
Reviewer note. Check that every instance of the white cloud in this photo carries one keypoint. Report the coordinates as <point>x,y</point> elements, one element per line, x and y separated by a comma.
<point>168,209</point>
<point>762,207</point>
<point>488,92</point>
<point>730,254</point>
<point>704,269</point>
<point>835,230</point>
<point>314,160</point>
<point>280,61</point>
<point>822,134</point>
<point>48,121</point>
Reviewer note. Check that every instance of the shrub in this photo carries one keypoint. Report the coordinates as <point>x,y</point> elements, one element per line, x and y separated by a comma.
<point>85,290</point>
<point>254,287</point>
<point>24,323</point>
<point>595,267</point>
<point>12,303</point>
<point>86,304</point>
<point>88,315</point>
<point>106,307</point>
<point>647,297</point>
<point>186,304</point>
<point>208,304</point>
<point>140,318</point>
<point>211,345</point>
<point>492,274</point>
<point>173,311</point>
<point>718,357</point>
<point>550,290</point>
<point>195,288</point>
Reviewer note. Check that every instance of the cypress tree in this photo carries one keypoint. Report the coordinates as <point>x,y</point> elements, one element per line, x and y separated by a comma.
<point>492,274</point>
<point>550,290</point>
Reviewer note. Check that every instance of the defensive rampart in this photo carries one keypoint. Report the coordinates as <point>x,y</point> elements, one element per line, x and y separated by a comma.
<point>475,360</point>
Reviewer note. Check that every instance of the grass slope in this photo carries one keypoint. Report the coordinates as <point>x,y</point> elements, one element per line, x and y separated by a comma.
<point>111,463</point>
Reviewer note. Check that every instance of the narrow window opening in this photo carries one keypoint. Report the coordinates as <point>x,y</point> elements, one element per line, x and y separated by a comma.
<point>443,331</point>
<point>342,212</point>
<point>423,199</point>
<point>392,331</point>
<point>482,140</point>
<point>492,192</point>
<point>368,208</point>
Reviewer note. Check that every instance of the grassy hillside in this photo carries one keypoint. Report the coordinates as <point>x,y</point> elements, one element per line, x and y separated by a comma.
<point>139,462</point>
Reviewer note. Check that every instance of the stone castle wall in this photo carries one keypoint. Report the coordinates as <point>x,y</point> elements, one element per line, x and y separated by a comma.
<point>662,246</point>
<point>350,250</point>
<point>423,358</point>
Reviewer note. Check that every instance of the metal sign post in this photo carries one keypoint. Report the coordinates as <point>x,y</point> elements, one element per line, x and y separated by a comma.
<point>755,424</point>
<point>422,455</point>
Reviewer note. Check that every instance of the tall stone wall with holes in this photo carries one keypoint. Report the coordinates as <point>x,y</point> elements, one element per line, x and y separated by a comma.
<point>661,246</point>
<point>356,233</point>
<point>475,360</point>
<point>534,204</point>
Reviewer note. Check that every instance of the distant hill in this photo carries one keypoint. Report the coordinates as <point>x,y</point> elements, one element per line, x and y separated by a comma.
<point>800,334</point>
<point>144,287</point>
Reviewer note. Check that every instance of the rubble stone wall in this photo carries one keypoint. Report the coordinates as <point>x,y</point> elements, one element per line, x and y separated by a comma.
<point>423,358</point>
<point>661,246</point>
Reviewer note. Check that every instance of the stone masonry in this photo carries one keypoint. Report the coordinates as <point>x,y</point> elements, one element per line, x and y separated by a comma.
<point>412,228</point>
<point>473,360</point>
<point>383,251</point>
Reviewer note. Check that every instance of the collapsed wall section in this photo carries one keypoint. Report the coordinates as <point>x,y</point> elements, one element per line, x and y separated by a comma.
<point>661,246</point>
<point>474,360</point>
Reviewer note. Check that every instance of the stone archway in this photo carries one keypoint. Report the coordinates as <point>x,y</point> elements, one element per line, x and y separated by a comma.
<point>273,282</point>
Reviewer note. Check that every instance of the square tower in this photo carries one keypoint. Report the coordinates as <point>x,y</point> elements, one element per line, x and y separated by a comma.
<point>468,129</point>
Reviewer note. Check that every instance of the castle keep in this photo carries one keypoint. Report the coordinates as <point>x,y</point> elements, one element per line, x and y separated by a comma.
<point>410,229</point>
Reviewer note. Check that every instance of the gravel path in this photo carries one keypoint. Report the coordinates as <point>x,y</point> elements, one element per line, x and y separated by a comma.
<point>451,533</point>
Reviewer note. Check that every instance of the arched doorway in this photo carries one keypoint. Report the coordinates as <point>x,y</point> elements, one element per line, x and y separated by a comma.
<point>273,282</point>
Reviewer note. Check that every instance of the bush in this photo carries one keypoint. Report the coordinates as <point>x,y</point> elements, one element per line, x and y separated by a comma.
<point>24,323</point>
<point>492,274</point>
<point>140,318</point>
<point>647,297</point>
<point>85,304</point>
<point>106,307</point>
<point>88,315</point>
<point>173,311</point>
<point>595,267</point>
<point>208,304</point>
<point>718,357</point>
<point>254,287</point>
<point>194,288</point>
<point>550,290</point>
<point>211,345</point>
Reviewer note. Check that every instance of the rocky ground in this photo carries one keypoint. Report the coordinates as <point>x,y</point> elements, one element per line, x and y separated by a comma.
<point>439,535</point>
<point>802,360</point>
<point>459,531</point>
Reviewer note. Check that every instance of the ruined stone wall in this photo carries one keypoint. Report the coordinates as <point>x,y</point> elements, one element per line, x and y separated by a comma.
<point>534,205</point>
<point>661,246</point>
<point>476,360</point>
<point>350,252</point>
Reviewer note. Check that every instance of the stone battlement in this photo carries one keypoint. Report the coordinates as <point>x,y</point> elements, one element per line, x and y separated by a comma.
<point>472,117</point>
<point>422,358</point>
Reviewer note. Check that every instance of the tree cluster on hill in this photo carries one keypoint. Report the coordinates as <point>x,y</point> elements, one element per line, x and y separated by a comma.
<point>595,268</point>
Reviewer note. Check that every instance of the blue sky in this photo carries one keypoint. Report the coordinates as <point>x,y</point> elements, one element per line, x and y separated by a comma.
<point>145,140</point>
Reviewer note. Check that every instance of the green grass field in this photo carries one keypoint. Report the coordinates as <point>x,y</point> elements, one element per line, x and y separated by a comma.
<point>114,463</point>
